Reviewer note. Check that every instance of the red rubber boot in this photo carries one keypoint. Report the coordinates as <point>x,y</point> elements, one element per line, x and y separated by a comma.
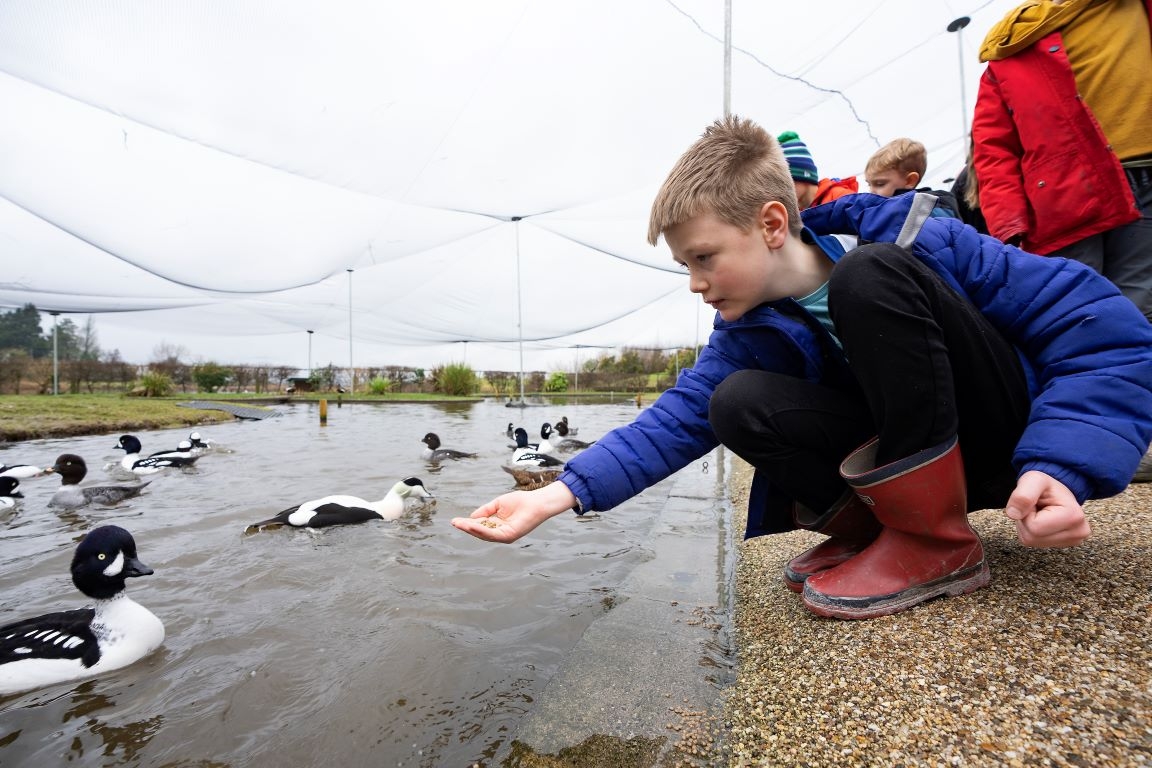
<point>850,527</point>
<point>927,548</point>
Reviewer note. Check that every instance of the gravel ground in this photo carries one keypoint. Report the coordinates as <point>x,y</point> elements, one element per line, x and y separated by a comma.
<point>1049,665</point>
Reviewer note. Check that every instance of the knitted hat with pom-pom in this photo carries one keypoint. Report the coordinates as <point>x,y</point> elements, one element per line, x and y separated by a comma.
<point>800,161</point>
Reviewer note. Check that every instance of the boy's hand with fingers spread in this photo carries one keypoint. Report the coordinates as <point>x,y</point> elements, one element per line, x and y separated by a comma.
<point>1046,513</point>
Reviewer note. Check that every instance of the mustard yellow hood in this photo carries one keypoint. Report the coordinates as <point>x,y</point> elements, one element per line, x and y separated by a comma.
<point>1027,23</point>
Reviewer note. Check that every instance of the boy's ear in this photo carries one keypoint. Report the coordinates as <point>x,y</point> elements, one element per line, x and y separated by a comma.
<point>911,180</point>
<point>773,223</point>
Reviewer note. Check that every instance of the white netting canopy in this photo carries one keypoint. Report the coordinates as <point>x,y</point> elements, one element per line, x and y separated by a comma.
<point>406,176</point>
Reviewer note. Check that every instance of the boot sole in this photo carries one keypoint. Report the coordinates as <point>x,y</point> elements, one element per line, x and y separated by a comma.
<point>954,584</point>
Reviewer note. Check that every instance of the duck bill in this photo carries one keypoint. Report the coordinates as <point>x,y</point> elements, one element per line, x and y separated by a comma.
<point>133,567</point>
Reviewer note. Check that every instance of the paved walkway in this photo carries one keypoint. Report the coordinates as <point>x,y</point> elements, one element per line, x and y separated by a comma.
<point>1051,664</point>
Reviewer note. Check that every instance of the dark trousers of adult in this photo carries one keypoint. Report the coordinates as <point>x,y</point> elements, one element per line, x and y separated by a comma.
<point>1124,254</point>
<point>930,365</point>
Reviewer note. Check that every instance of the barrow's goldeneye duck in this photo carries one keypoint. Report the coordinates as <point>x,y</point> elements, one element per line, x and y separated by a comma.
<point>155,462</point>
<point>526,455</point>
<point>71,494</point>
<point>200,444</point>
<point>71,645</point>
<point>545,446</point>
<point>9,496</point>
<point>346,510</point>
<point>435,453</point>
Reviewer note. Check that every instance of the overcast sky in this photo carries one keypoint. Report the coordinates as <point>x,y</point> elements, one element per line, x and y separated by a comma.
<point>438,181</point>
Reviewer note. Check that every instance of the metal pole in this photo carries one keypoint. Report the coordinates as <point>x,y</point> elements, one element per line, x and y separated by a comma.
<point>309,354</point>
<point>519,308</point>
<point>727,57</point>
<point>351,367</point>
<point>55,355</point>
<point>957,26</point>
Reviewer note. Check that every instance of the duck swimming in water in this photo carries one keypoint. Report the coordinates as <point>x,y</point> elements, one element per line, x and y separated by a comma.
<point>23,471</point>
<point>563,429</point>
<point>346,510</point>
<point>75,644</point>
<point>435,453</point>
<point>72,469</point>
<point>155,462</point>
<point>526,455</point>
<point>9,496</point>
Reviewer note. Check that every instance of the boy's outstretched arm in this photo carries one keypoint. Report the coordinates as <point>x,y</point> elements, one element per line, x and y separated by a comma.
<point>1046,512</point>
<point>506,518</point>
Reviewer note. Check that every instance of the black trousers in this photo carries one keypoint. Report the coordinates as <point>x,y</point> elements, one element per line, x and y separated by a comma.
<point>929,364</point>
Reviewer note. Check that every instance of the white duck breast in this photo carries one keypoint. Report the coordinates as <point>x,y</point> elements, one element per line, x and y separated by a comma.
<point>347,510</point>
<point>81,643</point>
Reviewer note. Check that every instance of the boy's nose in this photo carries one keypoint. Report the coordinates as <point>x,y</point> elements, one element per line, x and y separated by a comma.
<point>697,284</point>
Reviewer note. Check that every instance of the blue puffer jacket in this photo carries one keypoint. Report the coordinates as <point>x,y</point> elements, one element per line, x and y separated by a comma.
<point>1086,349</point>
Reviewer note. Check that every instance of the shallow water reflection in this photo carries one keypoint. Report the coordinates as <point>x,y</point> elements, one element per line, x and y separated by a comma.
<point>403,643</point>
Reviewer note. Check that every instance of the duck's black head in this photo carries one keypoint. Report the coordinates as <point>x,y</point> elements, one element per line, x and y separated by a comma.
<point>8,486</point>
<point>128,443</point>
<point>103,560</point>
<point>432,440</point>
<point>521,437</point>
<point>546,430</point>
<point>71,468</point>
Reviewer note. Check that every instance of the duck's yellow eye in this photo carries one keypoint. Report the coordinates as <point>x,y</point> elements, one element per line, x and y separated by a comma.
<point>101,556</point>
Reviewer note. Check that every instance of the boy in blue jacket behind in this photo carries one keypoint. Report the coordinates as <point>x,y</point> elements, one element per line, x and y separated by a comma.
<point>851,381</point>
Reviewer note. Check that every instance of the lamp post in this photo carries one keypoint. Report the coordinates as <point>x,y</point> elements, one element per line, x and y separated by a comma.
<point>519,307</point>
<point>727,57</point>
<point>957,26</point>
<point>310,354</point>
<point>55,355</point>
<point>351,367</point>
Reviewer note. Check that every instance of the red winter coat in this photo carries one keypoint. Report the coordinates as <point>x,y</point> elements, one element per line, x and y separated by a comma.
<point>1045,169</point>
<point>834,189</point>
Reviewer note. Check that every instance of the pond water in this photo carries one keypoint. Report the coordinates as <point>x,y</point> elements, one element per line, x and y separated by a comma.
<point>388,643</point>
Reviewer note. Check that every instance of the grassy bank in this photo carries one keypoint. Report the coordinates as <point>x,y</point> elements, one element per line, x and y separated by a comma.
<point>30,417</point>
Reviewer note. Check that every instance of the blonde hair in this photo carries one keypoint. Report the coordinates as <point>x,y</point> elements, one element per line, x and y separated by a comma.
<point>732,171</point>
<point>901,155</point>
<point>971,183</point>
